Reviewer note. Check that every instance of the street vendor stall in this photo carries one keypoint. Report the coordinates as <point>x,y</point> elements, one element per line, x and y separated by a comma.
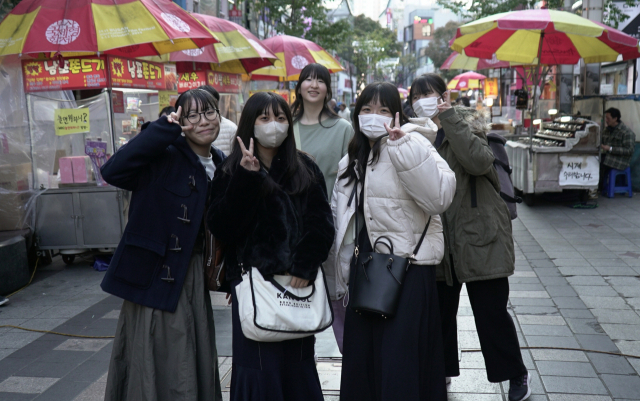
<point>72,136</point>
<point>564,156</point>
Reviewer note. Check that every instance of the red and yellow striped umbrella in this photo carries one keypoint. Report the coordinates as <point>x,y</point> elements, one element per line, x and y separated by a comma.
<point>120,27</point>
<point>543,37</point>
<point>293,55</point>
<point>238,52</point>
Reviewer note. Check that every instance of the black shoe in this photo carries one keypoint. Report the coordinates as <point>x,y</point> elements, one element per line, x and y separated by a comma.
<point>3,300</point>
<point>519,388</point>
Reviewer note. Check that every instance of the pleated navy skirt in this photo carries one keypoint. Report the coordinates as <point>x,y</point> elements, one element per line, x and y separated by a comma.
<point>272,371</point>
<point>397,359</point>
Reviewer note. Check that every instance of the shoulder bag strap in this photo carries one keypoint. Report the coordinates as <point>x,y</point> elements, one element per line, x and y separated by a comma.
<point>424,233</point>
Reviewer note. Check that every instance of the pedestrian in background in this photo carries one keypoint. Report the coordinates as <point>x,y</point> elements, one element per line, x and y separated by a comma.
<point>270,208</point>
<point>165,344</point>
<point>478,236</point>
<point>166,111</point>
<point>618,144</point>
<point>352,108</point>
<point>344,112</point>
<point>323,135</point>
<point>228,129</point>
<point>333,103</point>
<point>400,184</point>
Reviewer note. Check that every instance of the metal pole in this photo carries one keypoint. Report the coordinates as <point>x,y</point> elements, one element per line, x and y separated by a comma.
<point>535,97</point>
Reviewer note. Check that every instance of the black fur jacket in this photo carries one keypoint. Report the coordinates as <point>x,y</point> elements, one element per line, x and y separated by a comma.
<point>266,228</point>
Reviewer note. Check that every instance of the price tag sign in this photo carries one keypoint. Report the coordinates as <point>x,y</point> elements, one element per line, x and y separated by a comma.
<point>71,121</point>
<point>579,170</point>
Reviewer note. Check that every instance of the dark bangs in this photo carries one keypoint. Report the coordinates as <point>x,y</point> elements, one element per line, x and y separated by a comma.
<point>382,92</point>
<point>427,84</point>
<point>313,71</point>
<point>203,100</point>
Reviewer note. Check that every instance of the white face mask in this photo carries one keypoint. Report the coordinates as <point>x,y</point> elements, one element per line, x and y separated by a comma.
<point>271,135</point>
<point>426,107</point>
<point>372,125</point>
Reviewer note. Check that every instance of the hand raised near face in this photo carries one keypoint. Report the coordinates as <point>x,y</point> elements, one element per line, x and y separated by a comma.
<point>248,161</point>
<point>395,133</point>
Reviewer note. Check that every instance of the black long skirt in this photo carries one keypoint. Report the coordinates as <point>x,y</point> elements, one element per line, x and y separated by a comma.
<point>400,358</point>
<point>272,371</point>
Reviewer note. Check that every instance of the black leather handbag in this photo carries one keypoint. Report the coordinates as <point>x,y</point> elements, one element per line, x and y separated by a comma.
<point>376,278</point>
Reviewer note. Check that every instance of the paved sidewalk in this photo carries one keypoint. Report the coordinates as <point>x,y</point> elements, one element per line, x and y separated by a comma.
<point>576,286</point>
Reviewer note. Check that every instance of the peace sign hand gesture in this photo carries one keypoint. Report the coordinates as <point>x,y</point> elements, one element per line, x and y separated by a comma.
<point>395,133</point>
<point>248,161</point>
<point>446,103</point>
<point>174,118</point>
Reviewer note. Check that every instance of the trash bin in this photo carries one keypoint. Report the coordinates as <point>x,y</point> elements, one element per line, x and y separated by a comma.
<point>14,269</point>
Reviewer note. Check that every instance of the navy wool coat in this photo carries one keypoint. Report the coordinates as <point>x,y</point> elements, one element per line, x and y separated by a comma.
<point>169,193</point>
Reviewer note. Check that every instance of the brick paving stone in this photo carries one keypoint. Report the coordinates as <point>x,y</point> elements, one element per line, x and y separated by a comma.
<point>542,320</point>
<point>622,331</point>
<point>473,381</point>
<point>573,369</point>
<point>616,316</point>
<point>578,271</point>
<point>559,355</point>
<point>578,397</point>
<point>585,326</point>
<point>551,341</point>
<point>595,290</point>
<point>622,386</point>
<point>604,302</point>
<point>28,385</point>
<point>600,342</point>
<point>561,290</point>
<point>545,330</point>
<point>569,302</point>
<point>576,313</point>
<point>574,385</point>
<point>586,280</point>
<point>611,364</point>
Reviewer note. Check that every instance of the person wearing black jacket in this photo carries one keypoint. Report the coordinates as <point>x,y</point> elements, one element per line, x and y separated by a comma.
<point>270,208</point>
<point>165,348</point>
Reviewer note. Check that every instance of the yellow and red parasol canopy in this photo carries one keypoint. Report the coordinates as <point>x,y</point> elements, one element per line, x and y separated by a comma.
<point>468,80</point>
<point>118,27</point>
<point>293,55</point>
<point>565,38</point>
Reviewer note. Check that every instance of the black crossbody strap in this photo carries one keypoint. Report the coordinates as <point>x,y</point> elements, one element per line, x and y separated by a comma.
<point>424,233</point>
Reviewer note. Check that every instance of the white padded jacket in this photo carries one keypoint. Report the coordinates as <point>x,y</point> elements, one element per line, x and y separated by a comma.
<point>225,138</point>
<point>409,183</point>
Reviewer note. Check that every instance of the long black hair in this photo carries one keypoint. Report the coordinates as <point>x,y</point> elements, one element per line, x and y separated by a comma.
<point>313,71</point>
<point>359,147</point>
<point>427,84</point>
<point>298,177</point>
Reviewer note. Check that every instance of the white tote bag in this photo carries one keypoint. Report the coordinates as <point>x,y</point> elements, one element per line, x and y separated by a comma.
<point>272,310</point>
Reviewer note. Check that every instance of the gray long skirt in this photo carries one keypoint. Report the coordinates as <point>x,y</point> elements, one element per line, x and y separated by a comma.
<point>158,355</point>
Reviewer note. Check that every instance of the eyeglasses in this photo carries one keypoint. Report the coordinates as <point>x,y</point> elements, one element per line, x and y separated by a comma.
<point>209,115</point>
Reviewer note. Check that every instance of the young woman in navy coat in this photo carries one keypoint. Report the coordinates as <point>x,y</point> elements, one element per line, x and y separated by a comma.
<point>165,339</point>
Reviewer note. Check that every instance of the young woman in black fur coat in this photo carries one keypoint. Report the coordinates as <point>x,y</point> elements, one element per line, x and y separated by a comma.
<point>270,206</point>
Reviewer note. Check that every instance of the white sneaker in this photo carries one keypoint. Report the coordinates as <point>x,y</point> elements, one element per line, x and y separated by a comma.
<point>3,300</point>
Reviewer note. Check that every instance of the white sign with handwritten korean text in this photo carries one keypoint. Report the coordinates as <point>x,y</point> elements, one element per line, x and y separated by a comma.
<point>579,170</point>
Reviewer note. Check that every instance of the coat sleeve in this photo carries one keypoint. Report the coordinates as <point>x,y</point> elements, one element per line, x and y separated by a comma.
<point>317,231</point>
<point>472,151</point>
<point>233,202</point>
<point>628,144</point>
<point>129,168</point>
<point>423,173</point>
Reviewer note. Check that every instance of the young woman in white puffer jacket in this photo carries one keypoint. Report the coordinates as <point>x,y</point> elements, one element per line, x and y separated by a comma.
<point>402,183</point>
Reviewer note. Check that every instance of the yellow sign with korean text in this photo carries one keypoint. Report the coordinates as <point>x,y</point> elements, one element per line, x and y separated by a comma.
<point>491,88</point>
<point>71,121</point>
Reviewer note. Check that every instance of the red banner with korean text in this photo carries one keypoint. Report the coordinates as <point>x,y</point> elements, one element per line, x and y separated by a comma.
<point>191,80</point>
<point>68,74</point>
<point>128,73</point>
<point>222,82</point>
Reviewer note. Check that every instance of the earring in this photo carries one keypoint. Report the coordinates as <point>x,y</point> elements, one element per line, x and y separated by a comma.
<point>182,133</point>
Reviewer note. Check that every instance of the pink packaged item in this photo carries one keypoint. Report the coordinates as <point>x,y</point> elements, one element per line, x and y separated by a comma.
<point>66,170</point>
<point>82,171</point>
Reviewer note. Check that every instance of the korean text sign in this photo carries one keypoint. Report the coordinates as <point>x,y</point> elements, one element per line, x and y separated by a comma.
<point>223,82</point>
<point>71,121</point>
<point>66,74</point>
<point>128,73</point>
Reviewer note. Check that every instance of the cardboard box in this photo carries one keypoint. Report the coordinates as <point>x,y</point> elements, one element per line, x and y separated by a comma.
<point>15,177</point>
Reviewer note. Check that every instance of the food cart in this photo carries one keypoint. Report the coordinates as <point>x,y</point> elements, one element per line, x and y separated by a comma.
<point>73,134</point>
<point>563,154</point>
